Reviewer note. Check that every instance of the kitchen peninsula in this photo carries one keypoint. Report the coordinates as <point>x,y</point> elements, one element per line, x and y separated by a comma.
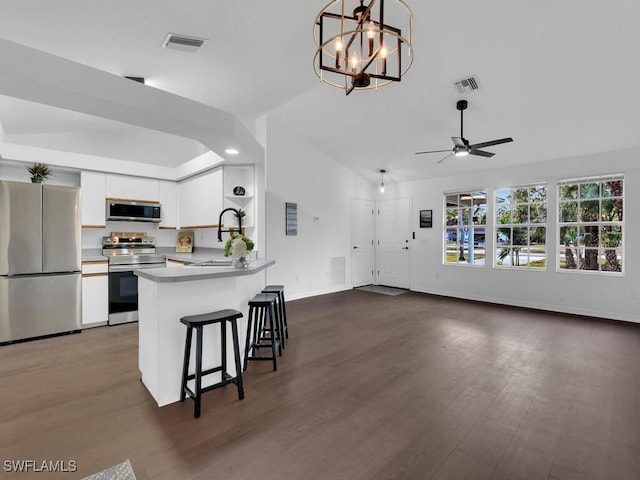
<point>167,294</point>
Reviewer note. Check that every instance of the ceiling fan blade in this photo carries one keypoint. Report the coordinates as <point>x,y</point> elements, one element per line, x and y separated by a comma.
<point>433,151</point>
<point>443,159</point>
<point>491,143</point>
<point>458,141</point>
<point>481,153</point>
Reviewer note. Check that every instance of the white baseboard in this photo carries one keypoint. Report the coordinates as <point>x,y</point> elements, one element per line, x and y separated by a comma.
<point>298,296</point>
<point>570,309</point>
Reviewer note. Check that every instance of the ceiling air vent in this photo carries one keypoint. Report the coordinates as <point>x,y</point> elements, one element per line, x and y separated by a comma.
<point>183,42</point>
<point>465,85</point>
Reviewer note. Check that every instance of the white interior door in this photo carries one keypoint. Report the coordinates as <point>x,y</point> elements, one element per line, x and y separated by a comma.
<point>394,230</point>
<point>362,252</point>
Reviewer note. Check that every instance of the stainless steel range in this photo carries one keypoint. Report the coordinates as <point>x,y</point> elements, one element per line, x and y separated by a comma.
<point>127,251</point>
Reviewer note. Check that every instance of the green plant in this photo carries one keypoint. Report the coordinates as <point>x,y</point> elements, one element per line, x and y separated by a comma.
<point>241,213</point>
<point>38,172</point>
<point>228,246</point>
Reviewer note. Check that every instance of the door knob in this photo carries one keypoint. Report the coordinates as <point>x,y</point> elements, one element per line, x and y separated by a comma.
<point>355,246</point>
<point>405,248</point>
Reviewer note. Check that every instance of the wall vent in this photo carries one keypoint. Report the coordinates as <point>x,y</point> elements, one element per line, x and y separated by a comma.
<point>466,85</point>
<point>337,270</point>
<point>184,43</point>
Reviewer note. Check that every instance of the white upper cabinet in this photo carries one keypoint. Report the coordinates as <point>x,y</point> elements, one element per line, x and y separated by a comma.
<point>200,200</point>
<point>93,199</point>
<point>169,202</point>
<point>133,188</point>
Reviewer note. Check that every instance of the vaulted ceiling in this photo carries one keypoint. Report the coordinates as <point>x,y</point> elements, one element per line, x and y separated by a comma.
<point>556,76</point>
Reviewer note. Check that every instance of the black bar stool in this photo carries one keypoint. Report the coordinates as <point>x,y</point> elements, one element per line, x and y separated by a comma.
<point>197,322</point>
<point>261,309</point>
<point>282,309</point>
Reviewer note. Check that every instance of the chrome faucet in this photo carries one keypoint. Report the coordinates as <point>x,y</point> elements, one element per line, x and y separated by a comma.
<point>220,230</point>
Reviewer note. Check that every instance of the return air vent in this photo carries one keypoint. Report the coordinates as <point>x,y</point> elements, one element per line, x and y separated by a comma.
<point>337,270</point>
<point>183,42</point>
<point>467,84</point>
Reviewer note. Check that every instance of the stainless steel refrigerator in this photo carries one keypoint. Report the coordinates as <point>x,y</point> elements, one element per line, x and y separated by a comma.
<point>40,261</point>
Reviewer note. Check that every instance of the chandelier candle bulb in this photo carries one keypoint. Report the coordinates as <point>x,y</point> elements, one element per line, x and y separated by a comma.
<point>383,54</point>
<point>338,48</point>
<point>370,35</point>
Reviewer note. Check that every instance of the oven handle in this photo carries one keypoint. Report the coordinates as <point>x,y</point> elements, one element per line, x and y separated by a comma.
<point>131,268</point>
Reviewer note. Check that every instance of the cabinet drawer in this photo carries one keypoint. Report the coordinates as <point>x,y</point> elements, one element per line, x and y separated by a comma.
<point>95,268</point>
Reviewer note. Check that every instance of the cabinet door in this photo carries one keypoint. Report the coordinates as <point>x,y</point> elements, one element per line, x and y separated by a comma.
<point>169,201</point>
<point>95,294</point>
<point>119,186</point>
<point>200,200</point>
<point>133,188</point>
<point>93,186</point>
<point>147,189</point>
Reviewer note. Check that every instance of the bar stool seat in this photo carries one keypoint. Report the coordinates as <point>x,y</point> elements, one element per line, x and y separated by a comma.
<point>198,322</point>
<point>281,307</point>
<point>261,322</point>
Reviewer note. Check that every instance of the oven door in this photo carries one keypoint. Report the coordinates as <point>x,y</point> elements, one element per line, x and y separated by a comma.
<point>123,292</point>
<point>123,296</point>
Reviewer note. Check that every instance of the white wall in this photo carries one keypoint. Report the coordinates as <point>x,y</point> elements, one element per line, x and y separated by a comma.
<point>18,173</point>
<point>297,172</point>
<point>616,297</point>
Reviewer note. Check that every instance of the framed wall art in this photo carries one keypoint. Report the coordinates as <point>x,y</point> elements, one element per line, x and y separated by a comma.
<point>426,218</point>
<point>291,218</point>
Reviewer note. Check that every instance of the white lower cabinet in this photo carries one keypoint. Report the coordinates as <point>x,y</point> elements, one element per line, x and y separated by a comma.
<point>95,293</point>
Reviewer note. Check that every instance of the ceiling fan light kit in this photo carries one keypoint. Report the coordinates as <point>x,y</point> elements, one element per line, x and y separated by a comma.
<point>461,147</point>
<point>356,49</point>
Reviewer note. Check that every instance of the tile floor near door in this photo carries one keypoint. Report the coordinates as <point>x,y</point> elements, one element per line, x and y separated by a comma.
<point>370,387</point>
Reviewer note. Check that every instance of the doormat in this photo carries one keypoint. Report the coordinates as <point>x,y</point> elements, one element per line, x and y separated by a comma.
<point>122,471</point>
<point>382,289</point>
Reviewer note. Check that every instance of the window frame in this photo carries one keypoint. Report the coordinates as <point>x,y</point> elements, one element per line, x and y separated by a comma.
<point>579,225</point>
<point>472,193</point>
<point>528,225</point>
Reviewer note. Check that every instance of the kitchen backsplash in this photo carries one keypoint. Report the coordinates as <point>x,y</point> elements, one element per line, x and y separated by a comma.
<point>92,237</point>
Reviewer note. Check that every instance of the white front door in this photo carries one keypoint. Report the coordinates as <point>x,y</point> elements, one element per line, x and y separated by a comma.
<point>394,230</point>
<point>362,253</point>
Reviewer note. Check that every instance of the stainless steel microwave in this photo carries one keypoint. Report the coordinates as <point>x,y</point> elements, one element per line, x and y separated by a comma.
<point>132,211</point>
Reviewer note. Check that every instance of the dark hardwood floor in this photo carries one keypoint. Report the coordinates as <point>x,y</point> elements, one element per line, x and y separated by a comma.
<point>370,387</point>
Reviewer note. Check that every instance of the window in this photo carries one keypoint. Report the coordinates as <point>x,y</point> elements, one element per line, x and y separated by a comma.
<point>464,232</point>
<point>590,224</point>
<point>521,227</point>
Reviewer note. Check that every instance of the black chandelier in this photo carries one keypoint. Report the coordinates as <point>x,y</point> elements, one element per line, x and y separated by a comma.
<point>357,48</point>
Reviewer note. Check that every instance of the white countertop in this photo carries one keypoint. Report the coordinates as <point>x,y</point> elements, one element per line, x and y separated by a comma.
<point>190,273</point>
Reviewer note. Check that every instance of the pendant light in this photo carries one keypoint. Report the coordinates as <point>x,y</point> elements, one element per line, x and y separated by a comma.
<point>382,172</point>
<point>363,44</point>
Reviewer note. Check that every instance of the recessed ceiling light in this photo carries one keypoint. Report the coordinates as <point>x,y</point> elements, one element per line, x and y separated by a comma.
<point>232,151</point>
